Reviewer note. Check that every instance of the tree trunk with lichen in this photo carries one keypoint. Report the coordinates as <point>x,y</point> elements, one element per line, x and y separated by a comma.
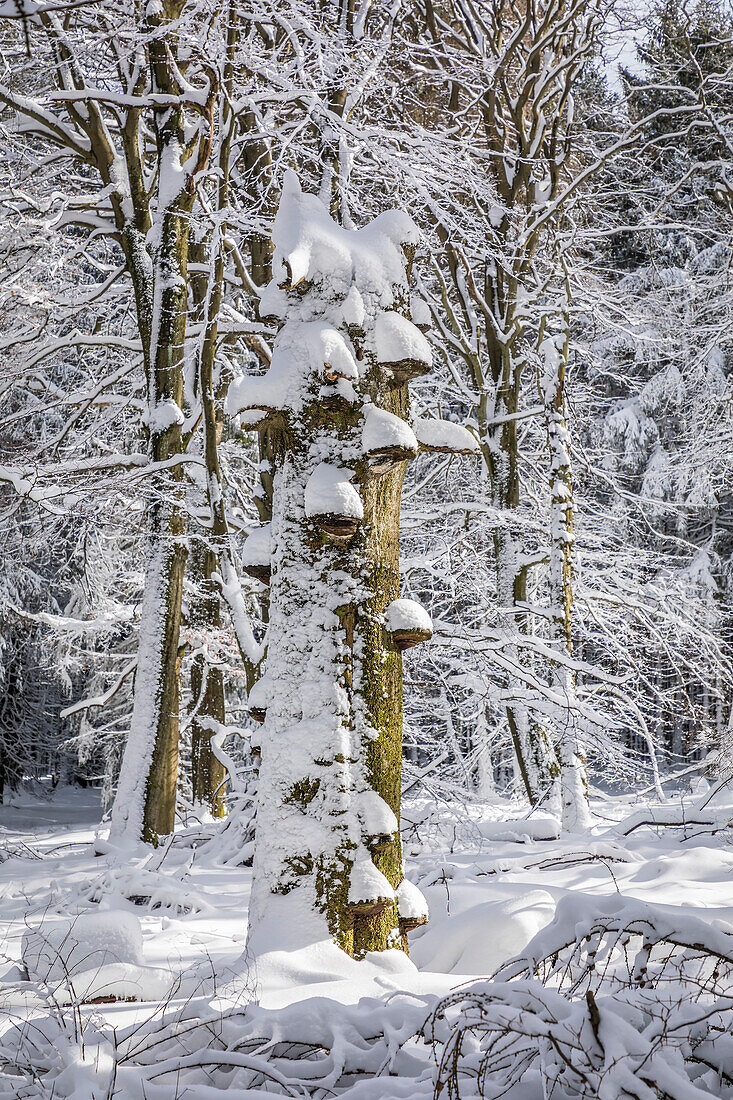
<point>157,259</point>
<point>208,775</point>
<point>328,860</point>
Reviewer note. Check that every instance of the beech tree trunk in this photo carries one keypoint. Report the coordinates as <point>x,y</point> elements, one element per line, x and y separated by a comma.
<point>208,775</point>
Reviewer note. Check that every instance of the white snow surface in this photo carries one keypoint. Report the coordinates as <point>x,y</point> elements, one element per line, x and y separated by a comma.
<point>485,935</point>
<point>383,429</point>
<point>329,491</point>
<point>397,339</point>
<point>492,880</point>
<point>258,546</point>
<point>367,882</point>
<point>444,435</point>
<point>316,249</point>
<point>403,614</point>
<point>303,353</point>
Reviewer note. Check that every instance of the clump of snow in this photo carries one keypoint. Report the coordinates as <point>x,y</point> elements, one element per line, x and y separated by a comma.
<point>310,246</point>
<point>258,547</point>
<point>383,429</point>
<point>162,416</point>
<point>411,902</point>
<point>302,352</point>
<point>329,491</point>
<point>443,435</point>
<point>353,310</point>
<point>367,883</point>
<point>420,312</point>
<point>397,340</point>
<point>260,695</point>
<point>484,935</point>
<point>376,816</point>
<point>93,955</point>
<point>407,615</point>
<point>338,358</point>
<point>273,302</point>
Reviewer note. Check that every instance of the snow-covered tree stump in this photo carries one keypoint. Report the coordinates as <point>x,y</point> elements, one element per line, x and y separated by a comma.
<point>328,861</point>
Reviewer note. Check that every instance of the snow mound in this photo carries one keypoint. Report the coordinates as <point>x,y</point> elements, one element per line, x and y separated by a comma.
<point>95,956</point>
<point>383,429</point>
<point>117,982</point>
<point>444,435</point>
<point>407,615</point>
<point>329,492</point>
<point>55,950</point>
<point>310,246</point>
<point>397,340</point>
<point>483,936</point>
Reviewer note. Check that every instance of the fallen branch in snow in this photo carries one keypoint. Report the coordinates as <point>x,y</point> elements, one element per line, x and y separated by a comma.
<point>673,817</point>
<point>615,999</point>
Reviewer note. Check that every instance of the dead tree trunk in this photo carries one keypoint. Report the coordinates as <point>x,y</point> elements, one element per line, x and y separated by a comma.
<point>328,860</point>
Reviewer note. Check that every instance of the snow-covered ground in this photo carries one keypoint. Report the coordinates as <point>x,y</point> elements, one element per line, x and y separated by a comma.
<point>492,879</point>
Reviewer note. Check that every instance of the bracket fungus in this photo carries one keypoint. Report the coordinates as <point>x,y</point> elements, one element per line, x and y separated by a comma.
<point>407,623</point>
<point>386,440</point>
<point>444,437</point>
<point>411,906</point>
<point>259,699</point>
<point>369,891</point>
<point>257,553</point>
<point>402,350</point>
<point>332,503</point>
<point>420,314</point>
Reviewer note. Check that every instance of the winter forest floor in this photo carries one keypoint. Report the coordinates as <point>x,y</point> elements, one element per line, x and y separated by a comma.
<point>493,881</point>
